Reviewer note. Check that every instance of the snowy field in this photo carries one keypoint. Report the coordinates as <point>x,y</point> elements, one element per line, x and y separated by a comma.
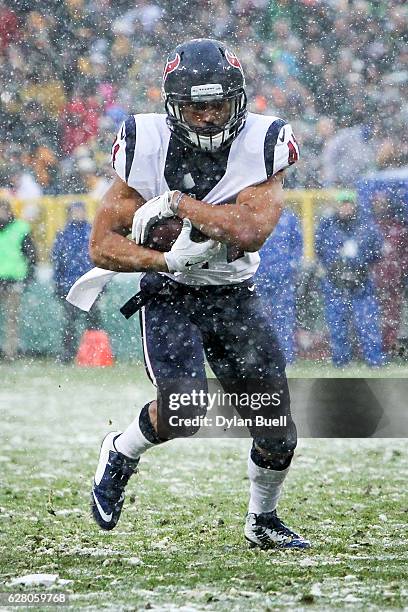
<point>179,545</point>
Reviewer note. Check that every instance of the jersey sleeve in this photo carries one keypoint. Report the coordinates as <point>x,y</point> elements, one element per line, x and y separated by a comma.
<point>123,148</point>
<point>280,149</point>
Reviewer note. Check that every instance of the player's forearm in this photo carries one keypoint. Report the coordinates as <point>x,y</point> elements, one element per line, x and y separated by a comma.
<point>236,224</point>
<point>120,254</point>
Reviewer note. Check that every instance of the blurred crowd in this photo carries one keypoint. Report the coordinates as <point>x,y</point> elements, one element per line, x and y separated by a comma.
<point>360,275</point>
<point>70,71</point>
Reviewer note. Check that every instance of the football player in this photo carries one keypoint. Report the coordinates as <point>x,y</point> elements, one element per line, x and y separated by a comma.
<point>220,169</point>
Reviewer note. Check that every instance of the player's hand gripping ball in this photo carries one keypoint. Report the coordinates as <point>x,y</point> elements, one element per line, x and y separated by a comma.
<point>152,211</point>
<point>163,234</point>
<point>156,227</point>
<point>186,255</point>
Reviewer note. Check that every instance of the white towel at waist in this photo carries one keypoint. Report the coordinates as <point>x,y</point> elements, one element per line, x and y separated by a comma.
<point>86,289</point>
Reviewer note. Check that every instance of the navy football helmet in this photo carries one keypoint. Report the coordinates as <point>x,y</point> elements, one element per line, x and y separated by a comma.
<point>204,71</point>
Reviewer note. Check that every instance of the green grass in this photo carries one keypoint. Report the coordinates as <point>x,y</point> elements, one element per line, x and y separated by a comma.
<point>179,544</point>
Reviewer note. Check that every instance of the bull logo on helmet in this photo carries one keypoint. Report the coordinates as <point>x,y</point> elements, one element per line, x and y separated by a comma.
<point>233,60</point>
<point>170,66</point>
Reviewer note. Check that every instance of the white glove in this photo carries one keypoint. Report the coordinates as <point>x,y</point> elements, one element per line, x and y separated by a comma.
<point>149,213</point>
<point>186,254</point>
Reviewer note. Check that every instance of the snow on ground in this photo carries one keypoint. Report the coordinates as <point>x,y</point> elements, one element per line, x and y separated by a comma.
<point>179,544</point>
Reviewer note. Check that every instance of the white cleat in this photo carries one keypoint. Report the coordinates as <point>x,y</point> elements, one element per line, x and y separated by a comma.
<point>266,530</point>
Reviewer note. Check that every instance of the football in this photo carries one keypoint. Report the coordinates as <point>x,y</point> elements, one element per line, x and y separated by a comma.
<point>163,234</point>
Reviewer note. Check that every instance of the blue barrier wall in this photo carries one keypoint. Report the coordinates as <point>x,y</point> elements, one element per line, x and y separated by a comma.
<point>42,318</point>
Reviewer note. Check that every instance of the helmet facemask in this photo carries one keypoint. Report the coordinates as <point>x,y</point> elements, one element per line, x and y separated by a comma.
<point>211,137</point>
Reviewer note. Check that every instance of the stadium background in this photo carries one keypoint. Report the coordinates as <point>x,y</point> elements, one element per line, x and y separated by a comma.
<point>71,71</point>
<point>323,64</point>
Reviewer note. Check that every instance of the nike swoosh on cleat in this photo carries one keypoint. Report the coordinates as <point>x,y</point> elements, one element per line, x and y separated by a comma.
<point>106,517</point>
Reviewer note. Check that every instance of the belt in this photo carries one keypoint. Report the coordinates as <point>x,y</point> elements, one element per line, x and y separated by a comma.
<point>142,297</point>
<point>160,286</point>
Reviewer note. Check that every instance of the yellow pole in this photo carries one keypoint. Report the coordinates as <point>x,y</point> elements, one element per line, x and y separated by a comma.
<point>308,227</point>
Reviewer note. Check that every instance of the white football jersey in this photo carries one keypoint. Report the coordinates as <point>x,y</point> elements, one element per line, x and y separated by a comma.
<point>265,146</point>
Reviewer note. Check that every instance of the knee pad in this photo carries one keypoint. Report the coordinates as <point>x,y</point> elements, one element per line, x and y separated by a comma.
<point>180,412</point>
<point>275,453</point>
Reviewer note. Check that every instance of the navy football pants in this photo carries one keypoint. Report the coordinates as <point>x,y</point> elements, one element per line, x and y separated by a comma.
<point>226,324</point>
